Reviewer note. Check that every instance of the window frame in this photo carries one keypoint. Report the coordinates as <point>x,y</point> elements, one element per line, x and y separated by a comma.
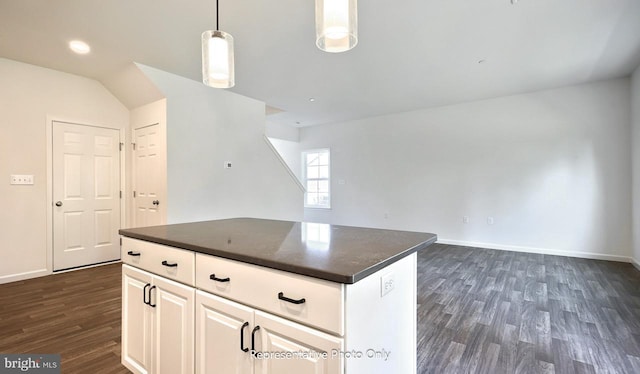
<point>305,180</point>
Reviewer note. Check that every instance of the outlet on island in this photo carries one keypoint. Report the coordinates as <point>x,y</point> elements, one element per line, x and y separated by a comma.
<point>387,283</point>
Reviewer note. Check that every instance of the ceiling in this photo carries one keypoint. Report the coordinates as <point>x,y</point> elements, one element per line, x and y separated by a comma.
<point>411,54</point>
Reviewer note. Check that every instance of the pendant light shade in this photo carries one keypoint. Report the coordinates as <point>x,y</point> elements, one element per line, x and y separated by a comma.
<point>336,25</point>
<point>217,58</point>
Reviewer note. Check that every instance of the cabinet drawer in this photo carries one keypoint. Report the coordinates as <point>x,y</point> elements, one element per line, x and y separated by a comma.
<point>260,287</point>
<point>169,262</point>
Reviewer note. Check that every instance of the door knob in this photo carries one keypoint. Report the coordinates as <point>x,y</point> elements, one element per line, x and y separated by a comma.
<point>58,203</point>
<point>156,202</point>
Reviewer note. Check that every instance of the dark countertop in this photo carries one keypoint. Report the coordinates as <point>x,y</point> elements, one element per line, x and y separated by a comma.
<point>341,254</point>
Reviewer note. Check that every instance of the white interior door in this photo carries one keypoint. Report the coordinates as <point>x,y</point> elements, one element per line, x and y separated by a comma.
<point>149,202</point>
<point>86,195</point>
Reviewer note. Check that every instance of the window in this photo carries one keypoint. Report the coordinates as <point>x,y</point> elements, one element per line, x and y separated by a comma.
<point>315,174</point>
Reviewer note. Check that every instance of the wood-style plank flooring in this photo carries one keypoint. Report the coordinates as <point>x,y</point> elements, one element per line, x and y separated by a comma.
<point>479,311</point>
<point>489,311</point>
<point>75,314</point>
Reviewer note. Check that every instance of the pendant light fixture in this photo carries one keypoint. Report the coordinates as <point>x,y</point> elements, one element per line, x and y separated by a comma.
<point>336,25</point>
<point>217,57</point>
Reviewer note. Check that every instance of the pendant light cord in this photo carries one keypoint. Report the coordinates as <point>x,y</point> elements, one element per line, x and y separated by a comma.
<point>217,18</point>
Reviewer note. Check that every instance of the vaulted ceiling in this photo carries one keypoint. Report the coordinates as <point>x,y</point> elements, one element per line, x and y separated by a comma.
<point>411,54</point>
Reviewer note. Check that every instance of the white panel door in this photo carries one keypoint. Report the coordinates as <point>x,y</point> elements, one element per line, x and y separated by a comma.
<point>148,169</point>
<point>223,336</point>
<point>280,335</point>
<point>86,195</point>
<point>136,320</point>
<point>174,327</point>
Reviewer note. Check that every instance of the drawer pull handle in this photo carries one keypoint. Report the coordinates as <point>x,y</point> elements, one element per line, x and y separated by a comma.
<point>165,263</point>
<point>253,340</point>
<point>282,297</point>
<point>242,348</point>
<point>144,294</point>
<point>151,289</point>
<point>134,254</point>
<point>213,278</point>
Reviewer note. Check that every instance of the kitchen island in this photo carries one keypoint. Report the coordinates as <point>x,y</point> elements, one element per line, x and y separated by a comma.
<point>262,296</point>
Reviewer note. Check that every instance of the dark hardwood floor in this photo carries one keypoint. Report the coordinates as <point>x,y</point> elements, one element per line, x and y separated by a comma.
<point>489,311</point>
<point>75,314</point>
<point>479,311</point>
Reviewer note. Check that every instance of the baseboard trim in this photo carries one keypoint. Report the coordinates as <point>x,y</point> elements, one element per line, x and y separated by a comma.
<point>22,276</point>
<point>544,251</point>
<point>44,272</point>
<point>87,266</point>
<point>635,263</point>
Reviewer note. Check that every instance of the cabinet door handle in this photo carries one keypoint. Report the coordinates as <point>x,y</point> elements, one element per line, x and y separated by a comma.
<point>242,348</point>
<point>165,263</point>
<point>144,294</point>
<point>299,301</point>
<point>253,340</point>
<point>151,289</point>
<point>134,254</point>
<point>213,278</point>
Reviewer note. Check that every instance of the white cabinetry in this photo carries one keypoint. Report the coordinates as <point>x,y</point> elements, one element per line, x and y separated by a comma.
<point>222,328</point>
<point>248,319</point>
<point>311,351</point>
<point>136,320</point>
<point>173,328</point>
<point>157,312</point>
<point>233,338</point>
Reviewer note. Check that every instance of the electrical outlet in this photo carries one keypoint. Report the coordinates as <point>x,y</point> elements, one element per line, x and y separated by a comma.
<point>22,179</point>
<point>465,219</point>
<point>387,283</point>
<point>490,221</point>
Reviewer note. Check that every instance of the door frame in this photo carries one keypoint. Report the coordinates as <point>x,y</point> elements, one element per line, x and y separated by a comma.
<point>49,200</point>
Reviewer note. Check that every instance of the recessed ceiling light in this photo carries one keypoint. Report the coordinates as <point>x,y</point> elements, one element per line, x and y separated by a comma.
<point>312,99</point>
<point>482,61</point>
<point>297,122</point>
<point>79,47</point>
<point>514,2</point>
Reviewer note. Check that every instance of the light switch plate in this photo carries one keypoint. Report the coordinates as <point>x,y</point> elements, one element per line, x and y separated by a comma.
<point>22,179</point>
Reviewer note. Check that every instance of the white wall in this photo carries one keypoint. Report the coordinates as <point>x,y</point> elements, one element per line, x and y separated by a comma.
<point>286,141</point>
<point>290,153</point>
<point>551,167</point>
<point>283,132</point>
<point>205,128</point>
<point>132,87</point>
<point>28,94</point>
<point>635,118</point>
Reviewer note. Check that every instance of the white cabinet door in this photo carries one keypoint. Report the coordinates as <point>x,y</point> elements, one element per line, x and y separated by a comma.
<point>223,330</point>
<point>280,335</point>
<point>136,320</point>
<point>173,327</point>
